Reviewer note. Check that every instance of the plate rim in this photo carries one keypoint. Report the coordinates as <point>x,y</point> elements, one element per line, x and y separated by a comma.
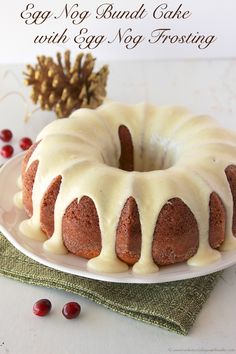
<point>129,277</point>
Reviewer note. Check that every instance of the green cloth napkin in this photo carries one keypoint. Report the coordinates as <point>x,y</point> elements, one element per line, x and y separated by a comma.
<point>172,305</point>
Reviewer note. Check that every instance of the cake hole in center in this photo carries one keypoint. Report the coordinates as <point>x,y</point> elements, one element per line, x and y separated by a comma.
<point>152,158</point>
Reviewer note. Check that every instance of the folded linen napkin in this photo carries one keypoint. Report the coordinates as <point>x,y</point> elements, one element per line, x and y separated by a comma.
<point>173,306</point>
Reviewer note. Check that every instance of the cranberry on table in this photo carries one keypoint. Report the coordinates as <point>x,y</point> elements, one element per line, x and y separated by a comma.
<point>7,151</point>
<point>71,310</point>
<point>6,135</point>
<point>25,143</point>
<point>42,307</point>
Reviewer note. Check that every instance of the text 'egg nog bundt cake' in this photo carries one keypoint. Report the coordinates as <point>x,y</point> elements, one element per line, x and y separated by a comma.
<point>132,185</point>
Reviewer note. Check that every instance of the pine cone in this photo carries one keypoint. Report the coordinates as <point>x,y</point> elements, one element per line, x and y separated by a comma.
<point>64,88</point>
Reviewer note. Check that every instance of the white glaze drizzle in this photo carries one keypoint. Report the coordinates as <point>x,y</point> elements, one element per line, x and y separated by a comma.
<point>18,200</point>
<point>185,157</point>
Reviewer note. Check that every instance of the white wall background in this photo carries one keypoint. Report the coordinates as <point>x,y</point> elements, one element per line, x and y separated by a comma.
<point>208,17</point>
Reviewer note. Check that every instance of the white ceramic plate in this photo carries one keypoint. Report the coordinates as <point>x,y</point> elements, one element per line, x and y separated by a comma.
<point>10,217</point>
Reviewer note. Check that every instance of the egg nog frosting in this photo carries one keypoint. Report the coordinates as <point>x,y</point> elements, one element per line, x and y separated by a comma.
<point>176,155</point>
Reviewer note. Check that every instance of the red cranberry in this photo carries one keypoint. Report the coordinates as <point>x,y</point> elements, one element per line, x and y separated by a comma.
<point>42,307</point>
<point>71,310</point>
<point>7,151</point>
<point>25,143</point>
<point>5,135</point>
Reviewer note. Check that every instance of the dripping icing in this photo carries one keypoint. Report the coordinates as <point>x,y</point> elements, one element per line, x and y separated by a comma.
<point>82,160</point>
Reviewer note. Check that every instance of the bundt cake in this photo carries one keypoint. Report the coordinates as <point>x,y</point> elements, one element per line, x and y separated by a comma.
<point>132,185</point>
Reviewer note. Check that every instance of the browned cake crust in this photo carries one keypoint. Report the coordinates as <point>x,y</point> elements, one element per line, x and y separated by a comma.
<point>230,172</point>
<point>80,228</point>
<point>217,221</point>
<point>126,161</point>
<point>28,179</point>
<point>176,234</point>
<point>175,237</point>
<point>48,205</point>
<point>128,235</point>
